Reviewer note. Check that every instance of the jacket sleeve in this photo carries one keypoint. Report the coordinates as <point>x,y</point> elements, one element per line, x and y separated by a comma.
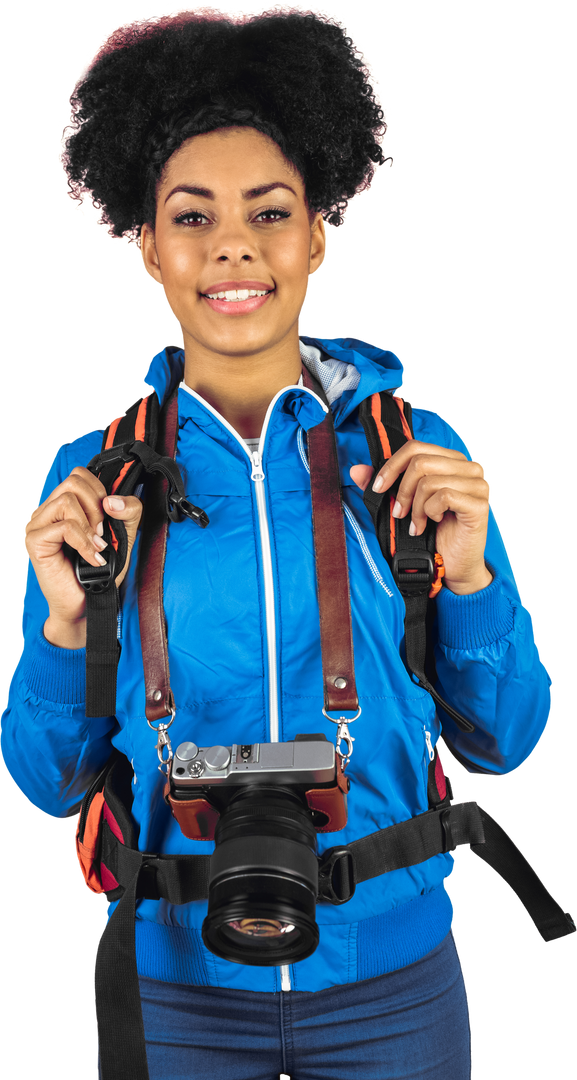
<point>487,663</point>
<point>50,748</point>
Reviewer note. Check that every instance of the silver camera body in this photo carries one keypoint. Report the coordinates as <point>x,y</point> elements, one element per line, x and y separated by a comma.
<point>306,761</point>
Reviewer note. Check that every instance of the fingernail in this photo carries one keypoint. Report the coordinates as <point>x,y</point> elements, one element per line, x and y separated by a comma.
<point>115,503</point>
<point>397,509</point>
<point>98,543</point>
<point>412,529</point>
<point>99,559</point>
<point>378,484</point>
<point>100,528</point>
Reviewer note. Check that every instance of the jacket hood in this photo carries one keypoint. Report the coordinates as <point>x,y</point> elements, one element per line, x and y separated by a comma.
<point>378,370</point>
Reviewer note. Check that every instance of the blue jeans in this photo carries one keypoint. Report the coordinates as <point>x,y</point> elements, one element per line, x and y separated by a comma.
<point>410,1023</point>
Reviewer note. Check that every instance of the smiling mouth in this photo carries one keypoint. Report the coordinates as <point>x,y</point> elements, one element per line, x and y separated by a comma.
<point>237,301</point>
<point>223,298</point>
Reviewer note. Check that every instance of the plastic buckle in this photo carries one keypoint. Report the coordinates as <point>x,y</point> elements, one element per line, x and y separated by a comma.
<point>95,579</point>
<point>187,509</point>
<point>449,842</point>
<point>148,887</point>
<point>413,569</point>
<point>121,452</point>
<point>336,876</point>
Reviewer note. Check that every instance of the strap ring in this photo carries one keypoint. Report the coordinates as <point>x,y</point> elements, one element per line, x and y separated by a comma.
<point>341,719</point>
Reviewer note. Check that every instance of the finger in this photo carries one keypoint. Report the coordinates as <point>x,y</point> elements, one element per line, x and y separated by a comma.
<point>434,465</point>
<point>470,511</point>
<point>66,508</point>
<point>47,542</point>
<point>400,461</point>
<point>430,485</point>
<point>89,492</point>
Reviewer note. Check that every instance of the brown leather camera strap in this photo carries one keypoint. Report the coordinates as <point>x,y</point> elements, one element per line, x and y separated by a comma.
<point>153,536</point>
<point>331,562</point>
<point>331,567</point>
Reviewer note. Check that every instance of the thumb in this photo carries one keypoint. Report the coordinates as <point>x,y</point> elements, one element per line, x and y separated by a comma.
<point>129,510</point>
<point>361,475</point>
<point>126,508</point>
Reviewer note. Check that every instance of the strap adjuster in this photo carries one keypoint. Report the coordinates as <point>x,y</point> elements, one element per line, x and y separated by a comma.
<point>121,452</point>
<point>95,579</point>
<point>449,842</point>
<point>413,570</point>
<point>336,876</point>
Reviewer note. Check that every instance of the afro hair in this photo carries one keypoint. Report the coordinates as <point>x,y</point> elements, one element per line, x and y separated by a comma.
<point>294,76</point>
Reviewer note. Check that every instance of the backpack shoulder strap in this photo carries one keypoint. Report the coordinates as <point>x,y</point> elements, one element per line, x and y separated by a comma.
<point>416,566</point>
<point>129,449</point>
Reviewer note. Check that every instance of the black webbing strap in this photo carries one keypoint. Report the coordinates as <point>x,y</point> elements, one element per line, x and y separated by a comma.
<point>180,879</point>
<point>435,832</point>
<point>102,651</point>
<point>176,878</point>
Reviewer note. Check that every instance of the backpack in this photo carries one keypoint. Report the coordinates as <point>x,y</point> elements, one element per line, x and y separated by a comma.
<point>144,441</point>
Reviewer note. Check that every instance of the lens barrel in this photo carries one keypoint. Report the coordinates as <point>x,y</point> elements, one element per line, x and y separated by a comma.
<point>263,880</point>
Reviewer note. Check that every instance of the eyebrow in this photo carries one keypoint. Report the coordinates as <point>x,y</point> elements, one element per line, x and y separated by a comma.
<point>250,193</point>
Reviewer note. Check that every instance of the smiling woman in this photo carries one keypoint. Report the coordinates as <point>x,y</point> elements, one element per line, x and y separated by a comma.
<point>158,120</point>
<point>226,173</point>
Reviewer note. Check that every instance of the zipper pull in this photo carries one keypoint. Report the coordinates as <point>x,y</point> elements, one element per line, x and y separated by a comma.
<point>429,745</point>
<point>257,473</point>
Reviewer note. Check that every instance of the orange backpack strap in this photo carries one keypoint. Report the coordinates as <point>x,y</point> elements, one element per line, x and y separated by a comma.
<point>416,566</point>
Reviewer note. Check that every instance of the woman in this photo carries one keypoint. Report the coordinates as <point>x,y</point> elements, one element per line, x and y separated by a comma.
<point>227,177</point>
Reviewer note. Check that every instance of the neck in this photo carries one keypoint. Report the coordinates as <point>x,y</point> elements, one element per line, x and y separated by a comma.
<point>241,388</point>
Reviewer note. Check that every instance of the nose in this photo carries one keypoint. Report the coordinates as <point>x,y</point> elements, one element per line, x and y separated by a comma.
<point>234,243</point>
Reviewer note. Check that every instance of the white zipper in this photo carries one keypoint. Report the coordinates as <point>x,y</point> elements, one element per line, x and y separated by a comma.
<point>429,745</point>
<point>257,476</point>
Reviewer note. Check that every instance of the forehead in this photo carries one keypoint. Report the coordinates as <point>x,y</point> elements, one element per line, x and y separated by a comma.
<point>237,155</point>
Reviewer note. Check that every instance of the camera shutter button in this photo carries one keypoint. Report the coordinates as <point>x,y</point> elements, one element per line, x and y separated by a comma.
<point>217,758</point>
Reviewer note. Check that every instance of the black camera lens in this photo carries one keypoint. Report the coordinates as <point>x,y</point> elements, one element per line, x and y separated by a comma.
<point>263,880</point>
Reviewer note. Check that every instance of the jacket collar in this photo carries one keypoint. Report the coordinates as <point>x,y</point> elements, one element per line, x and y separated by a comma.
<point>378,370</point>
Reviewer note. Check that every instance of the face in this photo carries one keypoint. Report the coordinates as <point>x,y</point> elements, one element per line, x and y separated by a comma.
<point>232,215</point>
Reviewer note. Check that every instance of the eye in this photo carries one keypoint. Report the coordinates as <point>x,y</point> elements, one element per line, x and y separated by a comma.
<point>276,210</point>
<point>190,218</point>
<point>183,218</point>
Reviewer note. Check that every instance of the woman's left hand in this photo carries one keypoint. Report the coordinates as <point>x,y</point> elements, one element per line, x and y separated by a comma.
<point>440,484</point>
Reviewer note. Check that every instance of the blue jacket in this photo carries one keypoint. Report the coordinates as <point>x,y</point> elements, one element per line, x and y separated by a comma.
<point>245,667</point>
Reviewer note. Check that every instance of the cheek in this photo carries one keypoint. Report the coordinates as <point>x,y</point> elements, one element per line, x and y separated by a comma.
<point>179,265</point>
<point>177,258</point>
<point>291,259</point>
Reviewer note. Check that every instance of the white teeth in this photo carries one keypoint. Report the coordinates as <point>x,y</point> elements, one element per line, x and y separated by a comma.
<point>237,294</point>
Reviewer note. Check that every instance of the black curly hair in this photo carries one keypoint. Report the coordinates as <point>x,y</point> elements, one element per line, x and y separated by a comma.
<point>294,76</point>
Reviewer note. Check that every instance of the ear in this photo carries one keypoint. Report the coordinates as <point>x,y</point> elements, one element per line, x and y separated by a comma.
<point>319,243</point>
<point>148,254</point>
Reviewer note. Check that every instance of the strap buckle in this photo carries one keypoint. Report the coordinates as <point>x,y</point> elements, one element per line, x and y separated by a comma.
<point>413,570</point>
<point>95,579</point>
<point>449,842</point>
<point>336,875</point>
<point>121,452</point>
<point>177,504</point>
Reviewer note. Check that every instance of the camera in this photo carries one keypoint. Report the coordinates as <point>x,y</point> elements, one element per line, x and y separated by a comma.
<point>263,804</point>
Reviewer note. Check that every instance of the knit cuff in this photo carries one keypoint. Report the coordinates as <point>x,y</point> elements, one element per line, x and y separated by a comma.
<point>475,620</point>
<point>56,674</point>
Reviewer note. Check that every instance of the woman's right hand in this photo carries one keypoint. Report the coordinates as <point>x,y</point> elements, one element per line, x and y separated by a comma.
<point>73,514</point>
